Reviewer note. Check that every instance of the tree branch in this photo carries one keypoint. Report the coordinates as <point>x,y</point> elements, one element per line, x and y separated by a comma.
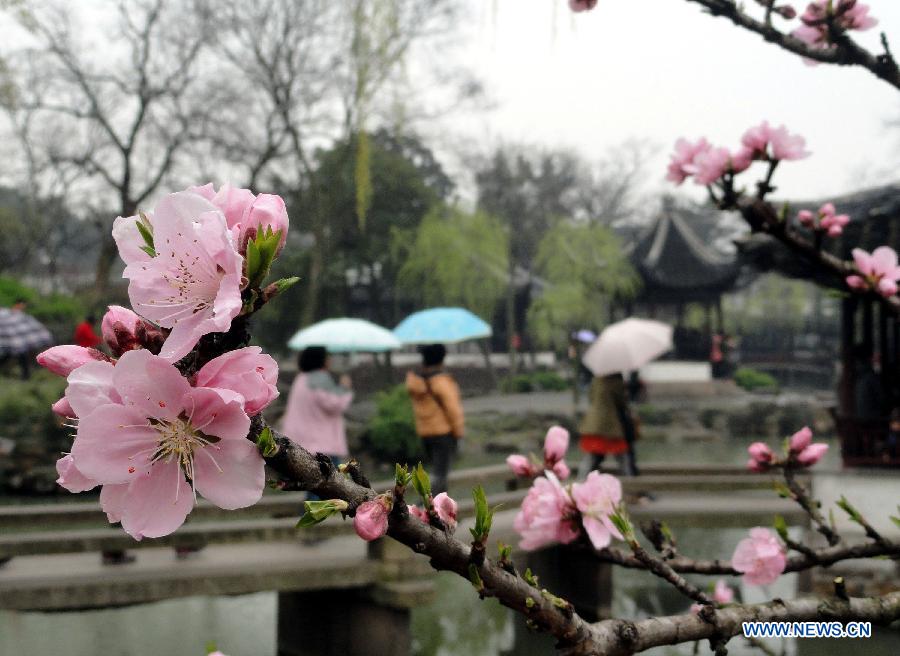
<point>845,52</point>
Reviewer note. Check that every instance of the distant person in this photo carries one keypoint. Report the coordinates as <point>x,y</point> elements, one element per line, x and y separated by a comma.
<point>716,356</point>
<point>314,417</point>
<point>84,333</point>
<point>23,357</point>
<point>867,394</point>
<point>608,427</point>
<point>438,412</point>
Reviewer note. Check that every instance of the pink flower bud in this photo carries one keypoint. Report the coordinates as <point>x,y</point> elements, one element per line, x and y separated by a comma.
<point>445,507</point>
<point>812,454</point>
<point>62,408</point>
<point>247,371</point>
<point>520,465</point>
<point>755,465</point>
<point>63,360</point>
<point>556,443</point>
<point>415,511</point>
<point>561,469</point>
<point>267,211</point>
<point>801,439</point>
<point>723,593</point>
<point>119,328</point>
<point>806,218</point>
<point>582,5</point>
<point>371,519</point>
<point>856,282</point>
<point>760,452</point>
<point>887,288</point>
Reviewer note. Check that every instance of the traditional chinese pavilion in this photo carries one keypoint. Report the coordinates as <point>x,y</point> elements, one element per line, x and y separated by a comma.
<point>677,268</point>
<point>869,387</point>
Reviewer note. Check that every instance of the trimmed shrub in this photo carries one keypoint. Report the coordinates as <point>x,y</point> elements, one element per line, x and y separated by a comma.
<point>391,433</point>
<point>751,379</point>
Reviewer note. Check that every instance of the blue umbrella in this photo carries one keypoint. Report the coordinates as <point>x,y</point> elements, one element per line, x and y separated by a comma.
<point>442,325</point>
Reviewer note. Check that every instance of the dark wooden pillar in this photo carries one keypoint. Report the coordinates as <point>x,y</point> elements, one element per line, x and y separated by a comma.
<point>846,404</point>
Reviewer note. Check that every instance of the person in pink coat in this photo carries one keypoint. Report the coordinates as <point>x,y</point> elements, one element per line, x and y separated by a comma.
<point>314,417</point>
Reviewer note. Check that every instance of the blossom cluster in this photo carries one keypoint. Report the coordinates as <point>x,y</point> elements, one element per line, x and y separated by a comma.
<point>825,220</point>
<point>149,434</point>
<point>801,450</point>
<point>556,443</point>
<point>552,512</point>
<point>707,163</point>
<point>824,18</point>
<point>878,271</point>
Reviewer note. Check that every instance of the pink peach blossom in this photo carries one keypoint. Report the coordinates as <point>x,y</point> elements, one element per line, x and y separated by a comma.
<point>520,465</point>
<point>556,443</point>
<point>446,508</point>
<point>596,499</point>
<point>756,139</point>
<point>582,5</point>
<point>246,213</point>
<point>711,165</point>
<point>371,519</point>
<point>755,465</point>
<point>248,372</point>
<point>760,557</point>
<point>801,439</point>
<point>812,454</point>
<point>162,440</point>
<point>681,164</point>
<point>787,146</point>
<point>879,271</point>
<point>826,220</point>
<point>416,511</point>
<point>192,284</point>
<point>806,218</point>
<point>63,360</point>
<point>547,515</point>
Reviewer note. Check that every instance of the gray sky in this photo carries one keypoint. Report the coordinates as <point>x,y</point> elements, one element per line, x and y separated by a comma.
<point>660,69</point>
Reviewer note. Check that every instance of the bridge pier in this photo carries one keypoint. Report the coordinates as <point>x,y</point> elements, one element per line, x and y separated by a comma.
<point>340,623</point>
<point>577,576</point>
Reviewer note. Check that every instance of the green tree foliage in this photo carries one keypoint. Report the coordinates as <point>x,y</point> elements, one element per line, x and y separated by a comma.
<point>391,434</point>
<point>406,180</point>
<point>585,268</point>
<point>456,258</point>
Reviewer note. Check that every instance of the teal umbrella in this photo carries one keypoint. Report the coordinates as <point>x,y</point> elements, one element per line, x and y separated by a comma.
<point>346,336</point>
<point>442,325</point>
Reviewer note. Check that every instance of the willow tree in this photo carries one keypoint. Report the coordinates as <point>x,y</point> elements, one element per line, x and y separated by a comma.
<point>456,258</point>
<point>585,269</point>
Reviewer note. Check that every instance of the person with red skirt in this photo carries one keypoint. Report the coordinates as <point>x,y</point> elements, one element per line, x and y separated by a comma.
<point>608,427</point>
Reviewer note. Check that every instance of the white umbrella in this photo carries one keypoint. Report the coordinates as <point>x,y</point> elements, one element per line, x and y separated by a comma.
<point>346,336</point>
<point>628,345</point>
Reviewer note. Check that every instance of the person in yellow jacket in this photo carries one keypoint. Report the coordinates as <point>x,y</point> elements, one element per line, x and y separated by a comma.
<point>438,412</point>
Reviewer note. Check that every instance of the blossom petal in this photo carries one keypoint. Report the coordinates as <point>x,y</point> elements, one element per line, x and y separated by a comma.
<point>113,443</point>
<point>157,502</point>
<point>90,386</point>
<point>218,412</point>
<point>230,473</point>
<point>150,384</point>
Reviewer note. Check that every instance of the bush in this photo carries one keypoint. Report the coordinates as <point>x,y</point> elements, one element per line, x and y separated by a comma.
<point>517,384</point>
<point>38,434</point>
<point>751,379</point>
<point>59,312</point>
<point>391,433</point>
<point>652,415</point>
<point>550,381</point>
<point>535,381</point>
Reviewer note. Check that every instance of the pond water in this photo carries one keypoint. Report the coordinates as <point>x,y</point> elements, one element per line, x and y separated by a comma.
<point>457,623</point>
